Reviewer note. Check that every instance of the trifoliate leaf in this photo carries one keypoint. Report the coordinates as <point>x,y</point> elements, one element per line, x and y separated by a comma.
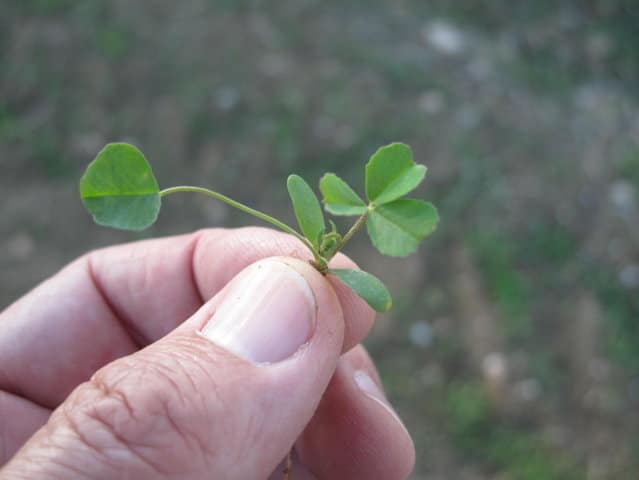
<point>370,288</point>
<point>339,197</point>
<point>397,228</point>
<point>307,209</point>
<point>119,189</point>
<point>391,173</point>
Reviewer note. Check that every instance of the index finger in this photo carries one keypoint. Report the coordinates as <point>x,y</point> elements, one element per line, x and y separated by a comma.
<point>114,301</point>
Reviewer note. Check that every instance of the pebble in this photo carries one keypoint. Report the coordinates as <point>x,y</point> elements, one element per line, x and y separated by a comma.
<point>623,197</point>
<point>528,390</point>
<point>444,37</point>
<point>494,367</point>
<point>629,276</point>
<point>421,334</point>
<point>431,102</point>
<point>226,98</point>
<point>20,246</point>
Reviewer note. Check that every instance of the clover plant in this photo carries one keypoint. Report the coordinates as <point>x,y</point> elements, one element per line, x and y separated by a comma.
<point>120,191</point>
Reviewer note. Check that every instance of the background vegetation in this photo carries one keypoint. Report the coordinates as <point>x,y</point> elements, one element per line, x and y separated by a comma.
<point>513,352</point>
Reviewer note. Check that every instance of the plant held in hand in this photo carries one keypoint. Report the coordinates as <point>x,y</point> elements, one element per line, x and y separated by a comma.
<point>120,191</point>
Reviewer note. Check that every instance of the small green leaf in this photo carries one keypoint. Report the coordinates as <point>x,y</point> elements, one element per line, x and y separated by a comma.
<point>397,228</point>
<point>307,209</point>
<point>370,288</point>
<point>339,197</point>
<point>391,173</point>
<point>119,189</point>
<point>329,243</point>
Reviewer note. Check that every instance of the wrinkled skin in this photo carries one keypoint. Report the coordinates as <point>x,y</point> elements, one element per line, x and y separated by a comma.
<point>103,374</point>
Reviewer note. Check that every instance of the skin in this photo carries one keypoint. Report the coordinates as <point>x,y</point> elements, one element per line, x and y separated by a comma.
<point>103,373</point>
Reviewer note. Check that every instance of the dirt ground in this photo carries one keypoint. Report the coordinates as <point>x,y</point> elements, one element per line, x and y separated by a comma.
<point>513,349</point>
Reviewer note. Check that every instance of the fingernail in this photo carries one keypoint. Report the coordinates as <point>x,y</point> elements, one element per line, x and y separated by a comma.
<point>368,386</point>
<point>267,313</point>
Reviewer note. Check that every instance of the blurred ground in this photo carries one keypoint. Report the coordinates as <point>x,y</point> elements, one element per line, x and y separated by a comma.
<point>513,352</point>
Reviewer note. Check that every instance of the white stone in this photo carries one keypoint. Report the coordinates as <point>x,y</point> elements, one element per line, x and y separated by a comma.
<point>629,276</point>
<point>226,98</point>
<point>494,366</point>
<point>431,102</point>
<point>623,196</point>
<point>421,334</point>
<point>444,37</point>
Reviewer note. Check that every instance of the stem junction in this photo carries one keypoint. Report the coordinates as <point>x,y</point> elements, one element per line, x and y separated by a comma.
<point>320,261</point>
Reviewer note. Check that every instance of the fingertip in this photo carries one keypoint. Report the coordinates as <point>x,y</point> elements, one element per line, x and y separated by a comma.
<point>359,359</point>
<point>220,254</point>
<point>331,323</point>
<point>360,362</point>
<point>355,433</point>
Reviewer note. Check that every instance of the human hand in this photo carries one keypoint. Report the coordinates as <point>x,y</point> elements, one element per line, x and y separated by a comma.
<point>116,368</point>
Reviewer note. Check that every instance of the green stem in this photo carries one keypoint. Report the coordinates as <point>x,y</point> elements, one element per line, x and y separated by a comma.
<point>245,209</point>
<point>351,231</point>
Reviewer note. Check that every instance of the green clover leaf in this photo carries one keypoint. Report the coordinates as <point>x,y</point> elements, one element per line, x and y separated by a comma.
<point>119,188</point>
<point>397,228</point>
<point>339,197</point>
<point>367,286</point>
<point>391,174</point>
<point>307,209</point>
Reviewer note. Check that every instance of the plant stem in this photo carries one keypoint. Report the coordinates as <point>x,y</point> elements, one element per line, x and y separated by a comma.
<point>245,209</point>
<point>351,231</point>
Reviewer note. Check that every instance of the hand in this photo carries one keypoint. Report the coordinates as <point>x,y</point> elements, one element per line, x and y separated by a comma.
<point>116,368</point>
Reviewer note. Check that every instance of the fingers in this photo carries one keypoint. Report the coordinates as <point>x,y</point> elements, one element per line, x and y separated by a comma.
<point>218,258</point>
<point>19,419</point>
<point>109,303</point>
<point>59,334</point>
<point>354,433</point>
<point>296,470</point>
<point>225,403</point>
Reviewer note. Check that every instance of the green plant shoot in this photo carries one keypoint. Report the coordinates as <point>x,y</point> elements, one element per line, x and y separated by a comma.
<point>120,190</point>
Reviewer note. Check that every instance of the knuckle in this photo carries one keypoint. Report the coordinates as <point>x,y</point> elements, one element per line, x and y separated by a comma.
<point>152,410</point>
<point>103,419</point>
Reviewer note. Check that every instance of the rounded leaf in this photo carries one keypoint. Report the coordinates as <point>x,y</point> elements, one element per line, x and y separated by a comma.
<point>391,173</point>
<point>339,197</point>
<point>119,188</point>
<point>397,228</point>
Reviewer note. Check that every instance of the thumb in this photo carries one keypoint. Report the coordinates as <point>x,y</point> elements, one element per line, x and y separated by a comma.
<point>225,395</point>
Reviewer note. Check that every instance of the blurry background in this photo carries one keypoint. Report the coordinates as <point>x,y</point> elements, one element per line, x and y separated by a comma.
<point>513,351</point>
